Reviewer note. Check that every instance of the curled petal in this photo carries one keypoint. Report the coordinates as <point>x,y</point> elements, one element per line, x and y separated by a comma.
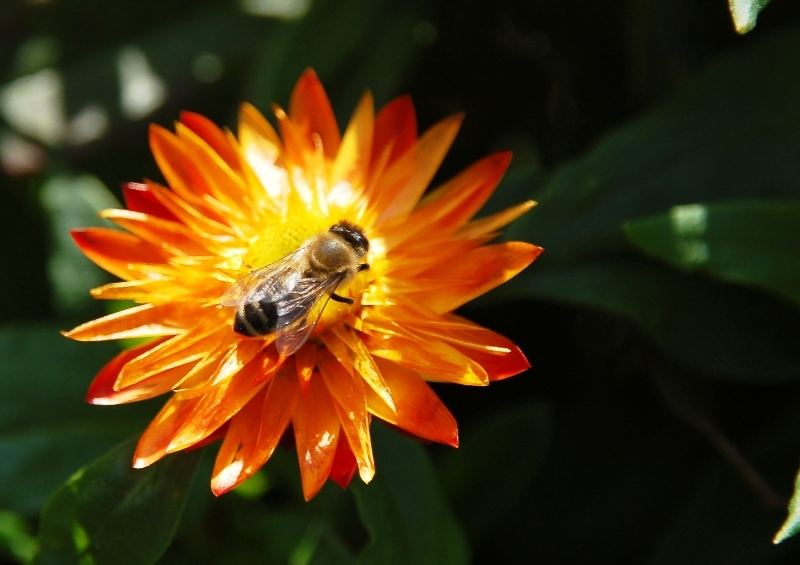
<point>352,161</point>
<point>152,446</point>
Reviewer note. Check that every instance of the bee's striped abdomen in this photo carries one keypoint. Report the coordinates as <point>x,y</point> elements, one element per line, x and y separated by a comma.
<point>255,319</point>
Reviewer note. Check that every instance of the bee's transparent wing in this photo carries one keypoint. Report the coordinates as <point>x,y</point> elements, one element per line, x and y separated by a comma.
<point>299,313</point>
<point>276,272</point>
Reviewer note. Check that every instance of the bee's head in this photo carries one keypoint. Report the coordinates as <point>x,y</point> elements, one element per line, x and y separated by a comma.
<point>353,235</point>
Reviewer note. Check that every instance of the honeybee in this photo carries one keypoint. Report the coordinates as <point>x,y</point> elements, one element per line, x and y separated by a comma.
<point>288,297</point>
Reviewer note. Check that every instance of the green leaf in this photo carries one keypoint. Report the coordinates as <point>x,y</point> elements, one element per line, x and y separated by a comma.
<point>791,526</point>
<point>46,428</point>
<point>71,202</point>
<point>497,461</point>
<point>751,242</point>
<point>745,13</point>
<point>692,318</point>
<point>109,512</point>
<point>16,540</point>
<point>708,143</point>
<point>404,510</point>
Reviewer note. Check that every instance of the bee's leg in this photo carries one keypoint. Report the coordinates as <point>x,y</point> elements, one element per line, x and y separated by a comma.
<point>342,299</point>
<point>363,267</point>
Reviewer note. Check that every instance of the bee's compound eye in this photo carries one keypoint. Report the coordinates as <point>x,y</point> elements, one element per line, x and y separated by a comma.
<point>353,235</point>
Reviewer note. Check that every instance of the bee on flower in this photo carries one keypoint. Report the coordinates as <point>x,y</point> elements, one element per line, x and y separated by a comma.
<point>301,278</point>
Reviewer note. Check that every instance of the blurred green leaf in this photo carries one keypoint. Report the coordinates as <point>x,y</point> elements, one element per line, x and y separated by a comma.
<point>16,540</point>
<point>691,317</point>
<point>722,521</point>
<point>497,461</point>
<point>46,428</point>
<point>745,13</point>
<point>791,526</point>
<point>750,241</point>
<point>109,512</point>
<point>709,142</point>
<point>72,202</point>
<point>331,39</point>
<point>404,509</point>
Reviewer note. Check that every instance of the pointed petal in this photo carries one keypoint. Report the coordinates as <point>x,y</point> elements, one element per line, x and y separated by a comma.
<point>153,444</point>
<point>350,402</point>
<point>172,237</point>
<point>406,179</point>
<point>344,465</point>
<point>352,160</point>
<point>147,320</point>
<point>451,205</point>
<point>419,410</point>
<point>311,110</point>
<point>102,392</point>
<point>395,128</point>
<point>316,431</point>
<point>254,433</point>
<point>139,198</point>
<point>114,250</point>
<point>212,135</point>
<point>432,359</point>
<point>352,354</point>
<point>223,401</point>
<point>475,273</point>
<point>490,224</point>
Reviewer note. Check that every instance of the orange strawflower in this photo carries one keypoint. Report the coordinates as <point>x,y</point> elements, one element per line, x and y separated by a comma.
<point>237,204</point>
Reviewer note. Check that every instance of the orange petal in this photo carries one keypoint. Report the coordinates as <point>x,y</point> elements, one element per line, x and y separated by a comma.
<point>153,444</point>
<point>395,128</point>
<point>190,346</point>
<point>191,217</point>
<point>254,433</point>
<point>311,110</point>
<point>262,149</point>
<point>101,389</point>
<point>475,273</point>
<point>223,401</point>
<point>225,184</point>
<point>212,135</point>
<point>350,401</point>
<point>139,199</point>
<point>114,250</point>
<point>344,465</point>
<point>172,237</point>
<point>433,359</point>
<point>352,354</point>
<point>305,363</point>
<point>490,224</point>
<point>316,431</point>
<point>418,410</point>
<point>406,179</point>
<point>181,171</point>
<point>352,160</point>
<point>141,321</point>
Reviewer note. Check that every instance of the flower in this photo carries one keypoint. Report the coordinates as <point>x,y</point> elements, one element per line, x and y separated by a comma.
<point>237,203</point>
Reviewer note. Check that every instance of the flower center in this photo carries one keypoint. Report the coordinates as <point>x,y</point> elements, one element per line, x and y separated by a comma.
<point>278,240</point>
